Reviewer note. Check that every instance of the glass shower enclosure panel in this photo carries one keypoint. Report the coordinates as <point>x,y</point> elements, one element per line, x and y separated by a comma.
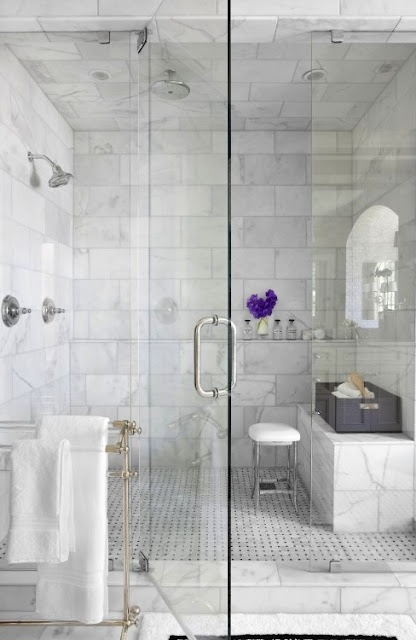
<point>184,333</point>
<point>363,181</point>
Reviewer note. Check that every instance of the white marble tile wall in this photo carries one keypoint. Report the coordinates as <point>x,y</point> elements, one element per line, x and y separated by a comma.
<point>35,248</point>
<point>103,378</point>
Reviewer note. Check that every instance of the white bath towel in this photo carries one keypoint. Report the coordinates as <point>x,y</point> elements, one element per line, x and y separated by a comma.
<point>41,502</point>
<point>77,589</point>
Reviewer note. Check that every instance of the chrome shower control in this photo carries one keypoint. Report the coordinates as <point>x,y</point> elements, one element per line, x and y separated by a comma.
<point>49,310</point>
<point>11,311</point>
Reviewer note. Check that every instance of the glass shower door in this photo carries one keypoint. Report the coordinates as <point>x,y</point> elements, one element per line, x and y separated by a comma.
<point>363,161</point>
<point>184,337</point>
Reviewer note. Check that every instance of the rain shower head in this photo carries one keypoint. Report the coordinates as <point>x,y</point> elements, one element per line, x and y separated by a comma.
<point>59,177</point>
<point>170,89</point>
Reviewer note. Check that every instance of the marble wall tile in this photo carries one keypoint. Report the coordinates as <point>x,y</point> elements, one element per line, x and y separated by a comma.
<point>374,468</point>
<point>390,8</point>
<point>253,200</point>
<point>250,142</point>
<point>200,232</point>
<point>293,200</point>
<point>182,200</point>
<point>275,232</point>
<point>264,413</point>
<point>377,600</point>
<point>247,265</point>
<point>355,511</point>
<point>113,325</point>
<point>204,169</point>
<point>274,169</point>
<point>288,600</point>
<point>281,358</point>
<point>396,511</point>
<point>255,390</point>
<point>101,387</point>
<point>96,171</point>
<point>181,263</point>
<point>293,263</point>
<point>97,358</point>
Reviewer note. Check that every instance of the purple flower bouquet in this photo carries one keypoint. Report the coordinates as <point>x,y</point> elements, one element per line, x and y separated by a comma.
<point>260,308</point>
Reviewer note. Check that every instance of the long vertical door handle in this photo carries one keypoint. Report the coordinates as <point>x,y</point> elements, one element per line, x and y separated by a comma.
<point>213,393</point>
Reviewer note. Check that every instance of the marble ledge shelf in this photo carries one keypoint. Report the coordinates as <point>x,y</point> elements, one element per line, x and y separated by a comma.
<point>323,428</point>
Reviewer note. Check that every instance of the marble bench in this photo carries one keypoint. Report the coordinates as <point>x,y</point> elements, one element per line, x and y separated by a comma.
<point>359,482</point>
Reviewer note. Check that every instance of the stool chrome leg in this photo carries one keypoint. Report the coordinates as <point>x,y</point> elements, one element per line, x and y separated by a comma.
<point>253,466</point>
<point>257,478</point>
<point>288,467</point>
<point>295,476</point>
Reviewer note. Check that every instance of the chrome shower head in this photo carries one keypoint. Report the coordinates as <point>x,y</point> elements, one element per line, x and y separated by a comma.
<point>170,89</point>
<point>59,177</point>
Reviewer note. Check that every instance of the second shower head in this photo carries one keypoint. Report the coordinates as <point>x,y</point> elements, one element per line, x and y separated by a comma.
<point>59,177</point>
<point>170,89</point>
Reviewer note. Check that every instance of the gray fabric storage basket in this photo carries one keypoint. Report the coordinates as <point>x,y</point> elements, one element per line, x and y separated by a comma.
<point>349,415</point>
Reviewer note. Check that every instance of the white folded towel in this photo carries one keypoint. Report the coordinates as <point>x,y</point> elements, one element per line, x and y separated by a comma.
<point>352,392</point>
<point>41,502</point>
<point>77,589</point>
<point>339,394</point>
<point>347,389</point>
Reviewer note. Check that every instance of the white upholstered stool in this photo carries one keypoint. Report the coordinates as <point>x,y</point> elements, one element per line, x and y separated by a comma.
<point>271,434</point>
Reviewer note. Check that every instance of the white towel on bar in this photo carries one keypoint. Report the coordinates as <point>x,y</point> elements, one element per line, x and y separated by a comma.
<point>77,589</point>
<point>41,502</point>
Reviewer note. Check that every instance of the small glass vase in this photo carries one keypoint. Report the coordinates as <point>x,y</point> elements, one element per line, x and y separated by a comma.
<point>263,328</point>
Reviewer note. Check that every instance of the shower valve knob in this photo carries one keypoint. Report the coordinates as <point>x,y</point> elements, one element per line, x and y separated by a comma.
<point>11,311</point>
<point>49,311</point>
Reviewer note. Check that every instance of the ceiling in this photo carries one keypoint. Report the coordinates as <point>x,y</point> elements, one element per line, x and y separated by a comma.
<point>95,86</point>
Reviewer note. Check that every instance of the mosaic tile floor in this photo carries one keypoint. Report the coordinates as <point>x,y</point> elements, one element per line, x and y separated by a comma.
<point>189,522</point>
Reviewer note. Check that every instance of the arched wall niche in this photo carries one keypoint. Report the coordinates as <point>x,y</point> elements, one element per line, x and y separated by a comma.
<point>371,259</point>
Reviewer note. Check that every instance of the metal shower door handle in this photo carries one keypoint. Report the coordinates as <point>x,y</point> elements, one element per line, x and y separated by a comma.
<point>213,393</point>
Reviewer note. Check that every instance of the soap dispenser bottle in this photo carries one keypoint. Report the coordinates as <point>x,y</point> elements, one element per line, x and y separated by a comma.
<point>291,330</point>
<point>277,330</point>
<point>247,330</point>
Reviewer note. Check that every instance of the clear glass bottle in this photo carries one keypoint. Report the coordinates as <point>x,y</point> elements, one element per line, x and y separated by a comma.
<point>291,330</point>
<point>247,330</point>
<point>277,330</point>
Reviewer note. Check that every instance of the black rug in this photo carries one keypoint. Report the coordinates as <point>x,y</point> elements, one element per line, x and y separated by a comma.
<point>288,636</point>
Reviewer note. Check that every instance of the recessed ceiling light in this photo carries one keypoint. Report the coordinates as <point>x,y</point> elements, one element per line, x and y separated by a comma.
<point>100,76</point>
<point>314,75</point>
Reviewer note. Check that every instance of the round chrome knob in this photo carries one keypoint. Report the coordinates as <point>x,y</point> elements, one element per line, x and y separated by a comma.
<point>11,311</point>
<point>49,311</point>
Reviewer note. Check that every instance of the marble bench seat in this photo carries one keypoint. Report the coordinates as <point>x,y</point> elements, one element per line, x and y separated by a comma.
<point>359,482</point>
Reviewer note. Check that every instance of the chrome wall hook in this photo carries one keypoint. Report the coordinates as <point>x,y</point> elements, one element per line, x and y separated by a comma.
<point>11,311</point>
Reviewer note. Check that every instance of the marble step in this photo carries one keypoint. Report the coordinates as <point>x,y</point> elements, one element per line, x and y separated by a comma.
<point>258,587</point>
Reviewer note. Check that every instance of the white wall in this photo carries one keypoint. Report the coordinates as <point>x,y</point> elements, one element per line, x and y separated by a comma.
<point>35,247</point>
